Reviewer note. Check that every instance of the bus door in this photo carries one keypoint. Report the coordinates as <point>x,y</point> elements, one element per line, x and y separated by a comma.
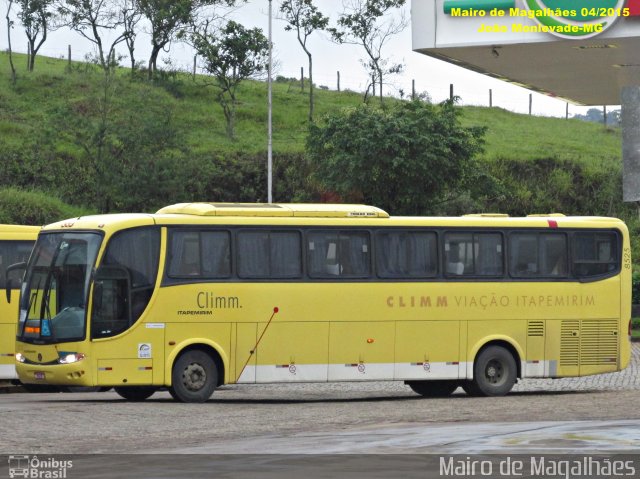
<point>123,288</point>
<point>133,355</point>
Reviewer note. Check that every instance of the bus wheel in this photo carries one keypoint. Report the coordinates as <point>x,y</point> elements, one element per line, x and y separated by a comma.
<point>433,389</point>
<point>467,387</point>
<point>494,373</point>
<point>135,393</point>
<point>194,377</point>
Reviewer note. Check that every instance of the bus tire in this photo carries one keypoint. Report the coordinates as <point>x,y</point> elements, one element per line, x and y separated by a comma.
<point>194,377</point>
<point>494,373</point>
<point>433,389</point>
<point>135,393</point>
<point>467,387</point>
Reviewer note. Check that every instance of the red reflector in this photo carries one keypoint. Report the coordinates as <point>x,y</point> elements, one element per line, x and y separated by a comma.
<point>552,223</point>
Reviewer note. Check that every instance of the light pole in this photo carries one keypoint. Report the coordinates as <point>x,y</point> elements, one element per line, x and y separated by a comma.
<point>269,120</point>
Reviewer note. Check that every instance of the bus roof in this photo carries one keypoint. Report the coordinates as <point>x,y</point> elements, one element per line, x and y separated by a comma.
<point>318,214</point>
<point>18,232</point>
<point>275,209</point>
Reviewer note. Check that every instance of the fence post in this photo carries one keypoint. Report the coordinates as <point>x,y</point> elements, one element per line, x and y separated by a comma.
<point>195,59</point>
<point>302,78</point>
<point>69,56</point>
<point>373,86</point>
<point>413,89</point>
<point>566,113</point>
<point>490,97</point>
<point>450,91</point>
<point>338,72</point>
<point>530,102</point>
<point>605,115</point>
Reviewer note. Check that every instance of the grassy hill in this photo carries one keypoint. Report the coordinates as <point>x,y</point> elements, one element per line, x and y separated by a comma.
<point>52,85</point>
<point>128,144</point>
<point>524,137</point>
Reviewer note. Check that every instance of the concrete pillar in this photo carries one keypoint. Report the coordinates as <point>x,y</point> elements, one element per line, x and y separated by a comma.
<point>630,101</point>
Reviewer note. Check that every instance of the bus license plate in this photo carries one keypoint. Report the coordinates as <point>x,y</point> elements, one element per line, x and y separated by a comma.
<point>38,375</point>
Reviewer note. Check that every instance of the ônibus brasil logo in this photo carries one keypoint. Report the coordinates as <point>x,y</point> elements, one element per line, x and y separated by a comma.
<point>576,19</point>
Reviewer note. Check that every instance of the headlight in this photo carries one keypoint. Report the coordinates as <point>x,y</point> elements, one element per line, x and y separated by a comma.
<point>68,358</point>
<point>20,358</point>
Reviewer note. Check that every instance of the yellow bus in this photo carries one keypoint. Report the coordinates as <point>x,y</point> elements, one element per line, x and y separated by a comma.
<point>16,243</point>
<point>202,294</point>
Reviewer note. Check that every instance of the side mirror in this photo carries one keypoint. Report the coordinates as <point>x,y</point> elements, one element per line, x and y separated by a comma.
<point>8,283</point>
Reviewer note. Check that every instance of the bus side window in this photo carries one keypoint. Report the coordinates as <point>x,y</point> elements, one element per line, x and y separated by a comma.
<point>595,253</point>
<point>473,254</point>
<point>489,258</point>
<point>215,259</point>
<point>411,254</point>
<point>265,254</point>
<point>452,257</point>
<point>345,254</point>
<point>553,254</point>
<point>12,252</point>
<point>199,254</point>
<point>189,260</point>
<point>538,255</point>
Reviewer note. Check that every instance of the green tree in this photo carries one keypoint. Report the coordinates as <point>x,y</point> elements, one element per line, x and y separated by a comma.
<point>131,15</point>
<point>305,18</point>
<point>371,24</point>
<point>36,17</point>
<point>230,56</point>
<point>97,20</point>
<point>168,19</point>
<point>130,146</point>
<point>9,27</point>
<point>406,158</point>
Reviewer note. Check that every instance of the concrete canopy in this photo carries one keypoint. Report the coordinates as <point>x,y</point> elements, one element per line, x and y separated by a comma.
<point>588,70</point>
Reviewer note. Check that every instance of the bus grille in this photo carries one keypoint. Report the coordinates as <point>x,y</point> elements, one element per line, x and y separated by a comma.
<point>589,342</point>
<point>535,329</point>
<point>570,343</point>
<point>599,342</point>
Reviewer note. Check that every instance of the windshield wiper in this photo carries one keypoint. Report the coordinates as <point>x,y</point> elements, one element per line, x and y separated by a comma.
<point>33,299</point>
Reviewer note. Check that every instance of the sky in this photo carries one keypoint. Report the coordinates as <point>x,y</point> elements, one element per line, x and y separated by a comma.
<point>431,76</point>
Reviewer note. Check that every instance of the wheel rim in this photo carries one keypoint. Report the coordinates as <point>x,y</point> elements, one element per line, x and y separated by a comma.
<point>194,377</point>
<point>495,372</point>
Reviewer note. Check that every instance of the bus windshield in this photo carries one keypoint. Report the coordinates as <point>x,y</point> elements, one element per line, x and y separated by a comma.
<point>54,295</point>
